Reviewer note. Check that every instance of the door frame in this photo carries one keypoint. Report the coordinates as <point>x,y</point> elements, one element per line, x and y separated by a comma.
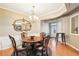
<point>50,27</point>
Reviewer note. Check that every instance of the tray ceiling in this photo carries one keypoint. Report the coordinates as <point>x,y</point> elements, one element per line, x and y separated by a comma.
<point>41,9</point>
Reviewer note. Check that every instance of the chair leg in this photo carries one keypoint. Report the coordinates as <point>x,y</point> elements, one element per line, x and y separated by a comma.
<point>46,51</point>
<point>56,39</point>
<point>64,40</point>
<point>15,53</point>
<point>29,52</point>
<point>42,53</point>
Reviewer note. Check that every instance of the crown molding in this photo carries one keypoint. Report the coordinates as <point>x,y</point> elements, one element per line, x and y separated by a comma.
<point>57,13</point>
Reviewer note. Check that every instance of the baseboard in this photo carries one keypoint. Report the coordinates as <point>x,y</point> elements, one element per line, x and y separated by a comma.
<point>73,47</point>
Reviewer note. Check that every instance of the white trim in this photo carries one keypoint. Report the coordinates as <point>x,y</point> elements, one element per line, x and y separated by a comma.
<point>11,10</point>
<point>72,46</point>
<point>77,14</point>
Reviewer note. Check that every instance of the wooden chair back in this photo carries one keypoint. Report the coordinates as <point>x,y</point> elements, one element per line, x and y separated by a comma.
<point>23,35</point>
<point>13,42</point>
<point>46,40</point>
<point>43,35</point>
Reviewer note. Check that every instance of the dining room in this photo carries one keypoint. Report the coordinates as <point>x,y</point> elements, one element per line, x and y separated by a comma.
<point>38,29</point>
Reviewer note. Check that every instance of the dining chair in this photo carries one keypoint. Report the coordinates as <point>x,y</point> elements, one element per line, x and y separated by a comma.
<point>44,47</point>
<point>23,35</point>
<point>39,49</point>
<point>46,42</point>
<point>42,36</point>
<point>16,49</point>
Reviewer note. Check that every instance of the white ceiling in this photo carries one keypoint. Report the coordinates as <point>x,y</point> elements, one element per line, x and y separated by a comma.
<point>41,9</point>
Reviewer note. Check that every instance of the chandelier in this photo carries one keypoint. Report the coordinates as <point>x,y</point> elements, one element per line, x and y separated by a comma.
<point>33,17</point>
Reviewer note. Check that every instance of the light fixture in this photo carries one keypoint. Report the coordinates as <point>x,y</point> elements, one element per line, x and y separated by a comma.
<point>33,17</point>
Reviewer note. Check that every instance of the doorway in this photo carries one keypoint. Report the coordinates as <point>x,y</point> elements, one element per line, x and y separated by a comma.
<point>53,29</point>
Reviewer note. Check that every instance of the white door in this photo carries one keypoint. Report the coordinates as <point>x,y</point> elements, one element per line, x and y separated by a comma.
<point>53,29</point>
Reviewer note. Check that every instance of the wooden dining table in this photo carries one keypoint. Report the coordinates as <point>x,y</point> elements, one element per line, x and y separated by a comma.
<point>35,39</point>
<point>32,40</point>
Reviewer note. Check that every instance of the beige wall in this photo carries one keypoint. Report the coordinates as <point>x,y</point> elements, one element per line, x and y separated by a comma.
<point>7,18</point>
<point>72,40</point>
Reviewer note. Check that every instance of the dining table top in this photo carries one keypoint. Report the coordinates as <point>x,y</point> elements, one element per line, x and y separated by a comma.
<point>32,40</point>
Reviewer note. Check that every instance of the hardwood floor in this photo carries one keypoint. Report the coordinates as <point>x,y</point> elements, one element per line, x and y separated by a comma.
<point>60,50</point>
<point>6,52</point>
